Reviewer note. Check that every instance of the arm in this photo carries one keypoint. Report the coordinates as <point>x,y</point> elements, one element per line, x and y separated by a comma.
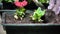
<point>51,4</point>
<point>56,8</point>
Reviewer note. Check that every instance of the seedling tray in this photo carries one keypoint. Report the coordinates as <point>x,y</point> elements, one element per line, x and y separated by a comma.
<point>11,12</point>
<point>29,28</point>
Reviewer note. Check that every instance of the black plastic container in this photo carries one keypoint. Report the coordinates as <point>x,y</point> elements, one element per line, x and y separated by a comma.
<point>30,28</point>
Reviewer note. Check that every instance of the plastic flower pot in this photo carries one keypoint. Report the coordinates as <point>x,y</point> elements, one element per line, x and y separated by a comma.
<point>28,28</point>
<point>8,18</point>
<point>32,29</point>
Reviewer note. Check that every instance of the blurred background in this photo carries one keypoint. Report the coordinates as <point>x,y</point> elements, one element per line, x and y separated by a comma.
<point>1,27</point>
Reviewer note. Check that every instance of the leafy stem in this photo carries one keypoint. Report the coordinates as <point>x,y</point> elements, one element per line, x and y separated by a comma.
<point>19,13</point>
<point>9,0</point>
<point>38,14</point>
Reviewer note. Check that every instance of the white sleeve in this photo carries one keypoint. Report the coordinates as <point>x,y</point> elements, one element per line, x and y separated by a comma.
<point>56,8</point>
<point>51,4</point>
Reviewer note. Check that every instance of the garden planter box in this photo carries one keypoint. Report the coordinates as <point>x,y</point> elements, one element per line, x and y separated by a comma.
<point>28,28</point>
<point>31,29</point>
<point>8,18</point>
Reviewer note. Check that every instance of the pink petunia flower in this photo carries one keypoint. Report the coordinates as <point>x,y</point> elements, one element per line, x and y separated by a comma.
<point>21,4</point>
<point>24,3</point>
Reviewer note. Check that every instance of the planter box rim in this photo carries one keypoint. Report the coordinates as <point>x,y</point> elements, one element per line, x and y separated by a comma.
<point>6,10</point>
<point>30,24</point>
<point>25,24</point>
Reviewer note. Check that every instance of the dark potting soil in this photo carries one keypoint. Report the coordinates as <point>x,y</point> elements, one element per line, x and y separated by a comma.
<point>49,17</point>
<point>9,19</point>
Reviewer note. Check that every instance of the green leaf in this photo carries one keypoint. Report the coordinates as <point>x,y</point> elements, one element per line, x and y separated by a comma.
<point>9,0</point>
<point>44,1</point>
<point>20,12</point>
<point>38,14</point>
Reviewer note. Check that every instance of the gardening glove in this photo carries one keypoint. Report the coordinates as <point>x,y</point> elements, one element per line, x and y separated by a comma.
<point>51,4</point>
<point>56,8</point>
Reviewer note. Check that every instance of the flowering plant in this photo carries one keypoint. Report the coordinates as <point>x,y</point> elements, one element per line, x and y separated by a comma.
<point>20,12</point>
<point>20,4</point>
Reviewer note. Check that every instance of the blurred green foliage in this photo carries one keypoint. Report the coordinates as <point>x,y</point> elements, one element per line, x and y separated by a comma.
<point>14,0</point>
<point>20,12</point>
<point>9,0</point>
<point>0,1</point>
<point>44,1</point>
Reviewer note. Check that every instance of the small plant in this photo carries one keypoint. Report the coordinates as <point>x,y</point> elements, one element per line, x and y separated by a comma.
<point>44,1</point>
<point>9,0</point>
<point>38,14</point>
<point>0,1</point>
<point>20,12</point>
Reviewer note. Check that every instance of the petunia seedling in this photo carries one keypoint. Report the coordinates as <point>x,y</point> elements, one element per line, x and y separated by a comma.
<point>38,14</point>
<point>19,13</point>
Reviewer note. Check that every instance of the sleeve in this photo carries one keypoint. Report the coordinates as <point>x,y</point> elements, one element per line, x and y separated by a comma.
<point>51,4</point>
